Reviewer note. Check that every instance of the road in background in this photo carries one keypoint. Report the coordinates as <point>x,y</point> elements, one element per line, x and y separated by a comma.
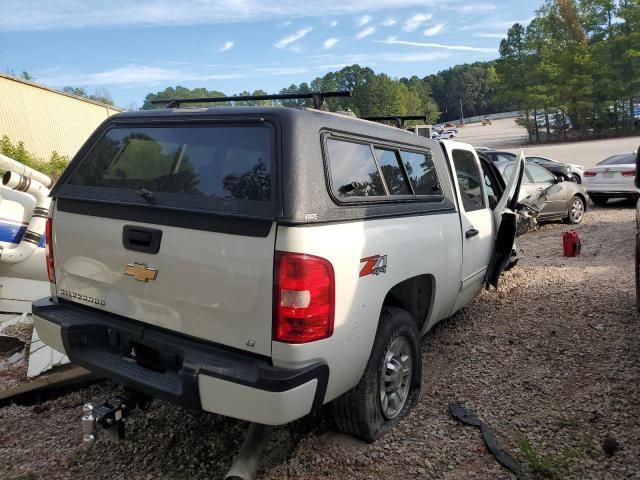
<point>505,134</point>
<point>502,133</point>
<point>586,153</point>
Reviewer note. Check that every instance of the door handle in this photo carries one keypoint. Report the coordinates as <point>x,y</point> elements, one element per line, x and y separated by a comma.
<point>141,239</point>
<point>472,232</point>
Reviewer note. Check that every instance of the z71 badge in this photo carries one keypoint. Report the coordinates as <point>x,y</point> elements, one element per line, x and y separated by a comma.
<point>373,265</point>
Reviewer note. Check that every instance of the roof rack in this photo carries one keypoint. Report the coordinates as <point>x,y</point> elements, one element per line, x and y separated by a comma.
<point>318,98</point>
<point>398,119</point>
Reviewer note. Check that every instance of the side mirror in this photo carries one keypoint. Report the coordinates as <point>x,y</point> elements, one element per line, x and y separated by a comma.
<point>558,179</point>
<point>636,180</point>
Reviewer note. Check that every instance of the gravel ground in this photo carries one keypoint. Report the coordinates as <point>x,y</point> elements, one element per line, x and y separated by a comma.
<point>551,362</point>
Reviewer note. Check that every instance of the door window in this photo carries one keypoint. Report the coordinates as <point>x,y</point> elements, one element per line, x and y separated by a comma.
<point>539,174</point>
<point>469,179</point>
<point>505,156</point>
<point>492,187</point>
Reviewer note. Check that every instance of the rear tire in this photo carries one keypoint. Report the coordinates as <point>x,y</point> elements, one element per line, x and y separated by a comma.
<point>390,384</point>
<point>575,214</point>
<point>576,178</point>
<point>600,201</point>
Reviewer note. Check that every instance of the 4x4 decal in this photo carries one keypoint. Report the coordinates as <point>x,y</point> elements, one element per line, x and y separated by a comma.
<point>374,265</point>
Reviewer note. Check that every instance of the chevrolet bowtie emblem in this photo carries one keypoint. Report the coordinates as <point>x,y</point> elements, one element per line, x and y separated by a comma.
<point>141,272</point>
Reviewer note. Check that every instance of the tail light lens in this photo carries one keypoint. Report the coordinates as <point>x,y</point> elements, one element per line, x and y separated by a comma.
<point>49,250</point>
<point>589,173</point>
<point>631,173</point>
<point>304,298</point>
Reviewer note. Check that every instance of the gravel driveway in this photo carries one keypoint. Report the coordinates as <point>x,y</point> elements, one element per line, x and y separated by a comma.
<point>551,362</point>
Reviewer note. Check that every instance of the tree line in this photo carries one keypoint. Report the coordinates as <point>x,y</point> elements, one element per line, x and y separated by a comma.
<point>373,94</point>
<point>575,65</point>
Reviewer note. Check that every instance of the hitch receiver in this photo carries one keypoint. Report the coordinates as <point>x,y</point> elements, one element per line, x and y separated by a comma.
<point>110,414</point>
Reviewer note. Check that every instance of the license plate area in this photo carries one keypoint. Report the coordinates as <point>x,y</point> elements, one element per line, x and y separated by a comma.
<point>147,357</point>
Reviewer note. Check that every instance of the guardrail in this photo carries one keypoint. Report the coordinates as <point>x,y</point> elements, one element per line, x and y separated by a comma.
<point>492,116</point>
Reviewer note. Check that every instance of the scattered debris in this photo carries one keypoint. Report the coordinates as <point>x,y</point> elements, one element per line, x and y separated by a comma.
<point>610,445</point>
<point>25,359</point>
<point>42,357</point>
<point>465,415</point>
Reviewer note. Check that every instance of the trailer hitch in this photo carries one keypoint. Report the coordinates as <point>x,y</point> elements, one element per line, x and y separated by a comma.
<point>110,414</point>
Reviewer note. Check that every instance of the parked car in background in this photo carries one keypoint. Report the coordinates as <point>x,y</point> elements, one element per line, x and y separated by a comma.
<point>556,120</point>
<point>565,200</point>
<point>613,177</point>
<point>577,171</point>
<point>449,134</point>
<point>559,169</point>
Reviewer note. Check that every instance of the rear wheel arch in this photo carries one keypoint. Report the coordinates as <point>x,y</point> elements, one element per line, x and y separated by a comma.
<point>363,411</point>
<point>584,200</point>
<point>415,295</point>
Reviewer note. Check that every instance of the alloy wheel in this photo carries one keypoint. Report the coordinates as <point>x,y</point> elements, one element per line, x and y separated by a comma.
<point>576,210</point>
<point>395,378</point>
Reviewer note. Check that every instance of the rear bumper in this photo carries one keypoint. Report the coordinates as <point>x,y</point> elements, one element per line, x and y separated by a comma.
<point>612,190</point>
<point>180,369</point>
<point>614,193</point>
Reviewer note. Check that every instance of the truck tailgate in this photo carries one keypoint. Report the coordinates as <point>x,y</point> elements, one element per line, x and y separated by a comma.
<point>212,286</point>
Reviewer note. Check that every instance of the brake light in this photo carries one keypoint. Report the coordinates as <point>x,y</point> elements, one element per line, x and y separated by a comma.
<point>304,298</point>
<point>631,173</point>
<point>49,250</point>
<point>589,173</point>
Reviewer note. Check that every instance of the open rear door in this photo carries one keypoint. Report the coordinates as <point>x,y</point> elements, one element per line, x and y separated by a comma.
<point>506,222</point>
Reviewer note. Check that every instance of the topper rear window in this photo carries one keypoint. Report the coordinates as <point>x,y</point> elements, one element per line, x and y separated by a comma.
<point>192,166</point>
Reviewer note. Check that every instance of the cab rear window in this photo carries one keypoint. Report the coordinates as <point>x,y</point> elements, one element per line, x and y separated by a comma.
<point>210,162</point>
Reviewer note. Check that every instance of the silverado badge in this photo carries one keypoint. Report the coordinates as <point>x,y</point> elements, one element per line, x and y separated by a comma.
<point>141,272</point>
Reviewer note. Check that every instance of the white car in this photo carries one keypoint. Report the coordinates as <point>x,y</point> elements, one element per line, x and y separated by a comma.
<point>447,135</point>
<point>613,177</point>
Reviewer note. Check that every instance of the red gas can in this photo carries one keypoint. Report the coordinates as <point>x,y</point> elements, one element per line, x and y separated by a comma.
<point>571,244</point>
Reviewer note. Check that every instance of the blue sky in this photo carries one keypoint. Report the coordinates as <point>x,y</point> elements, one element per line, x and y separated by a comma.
<point>134,47</point>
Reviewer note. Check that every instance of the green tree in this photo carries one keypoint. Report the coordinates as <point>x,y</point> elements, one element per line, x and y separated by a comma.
<point>101,95</point>
<point>183,92</point>
<point>628,42</point>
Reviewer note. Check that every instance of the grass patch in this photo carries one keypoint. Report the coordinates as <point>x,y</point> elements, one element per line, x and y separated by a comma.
<point>540,464</point>
<point>53,166</point>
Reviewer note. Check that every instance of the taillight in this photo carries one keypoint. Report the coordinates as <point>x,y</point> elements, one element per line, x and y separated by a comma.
<point>589,173</point>
<point>304,293</point>
<point>49,250</point>
<point>631,173</point>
